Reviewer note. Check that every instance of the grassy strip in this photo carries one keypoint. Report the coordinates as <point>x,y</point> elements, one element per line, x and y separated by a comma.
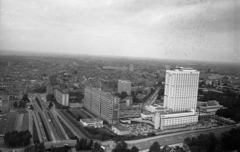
<point>67,130</point>
<point>71,113</point>
<point>11,122</point>
<point>19,122</point>
<point>45,129</point>
<point>25,122</point>
<point>35,133</point>
<point>39,104</point>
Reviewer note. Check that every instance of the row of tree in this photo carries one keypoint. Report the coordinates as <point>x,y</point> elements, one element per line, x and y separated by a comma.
<point>123,147</point>
<point>37,147</point>
<point>22,102</point>
<point>19,104</point>
<point>84,144</point>
<point>15,138</point>
<point>227,141</point>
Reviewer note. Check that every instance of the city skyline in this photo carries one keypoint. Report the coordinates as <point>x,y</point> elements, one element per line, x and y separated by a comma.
<point>188,30</point>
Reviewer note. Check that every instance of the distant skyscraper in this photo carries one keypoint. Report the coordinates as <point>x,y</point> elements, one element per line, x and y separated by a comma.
<point>124,85</point>
<point>131,67</point>
<point>181,89</point>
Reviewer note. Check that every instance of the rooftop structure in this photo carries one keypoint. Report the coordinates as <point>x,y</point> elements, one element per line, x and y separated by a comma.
<point>209,107</point>
<point>92,122</point>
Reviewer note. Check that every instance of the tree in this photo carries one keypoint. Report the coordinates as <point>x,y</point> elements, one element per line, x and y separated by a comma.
<point>121,147</point>
<point>90,145</point>
<point>134,149</point>
<point>25,97</point>
<point>155,147</point>
<point>101,150</point>
<point>50,97</point>
<point>96,147</point>
<point>15,103</point>
<point>16,138</point>
<point>22,104</point>
<point>124,94</point>
<point>50,105</point>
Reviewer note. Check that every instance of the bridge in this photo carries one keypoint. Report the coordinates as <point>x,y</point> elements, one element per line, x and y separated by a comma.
<point>69,143</point>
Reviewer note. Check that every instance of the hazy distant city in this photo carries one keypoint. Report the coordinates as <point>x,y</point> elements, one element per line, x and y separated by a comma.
<point>120,76</point>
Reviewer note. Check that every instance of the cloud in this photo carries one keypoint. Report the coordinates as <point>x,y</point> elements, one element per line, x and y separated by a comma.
<point>176,29</point>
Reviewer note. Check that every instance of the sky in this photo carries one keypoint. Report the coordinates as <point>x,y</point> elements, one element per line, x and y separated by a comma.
<point>200,30</point>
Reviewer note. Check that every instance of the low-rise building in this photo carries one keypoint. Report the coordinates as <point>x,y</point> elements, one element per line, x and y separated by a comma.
<point>92,122</point>
<point>168,119</point>
<point>120,129</point>
<point>209,107</point>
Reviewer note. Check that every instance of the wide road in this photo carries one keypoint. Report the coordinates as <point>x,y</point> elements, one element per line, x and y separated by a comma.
<point>153,97</point>
<point>36,121</point>
<point>49,125</point>
<point>175,138</point>
<point>58,122</point>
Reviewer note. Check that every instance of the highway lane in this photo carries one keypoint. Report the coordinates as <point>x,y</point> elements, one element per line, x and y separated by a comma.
<point>58,122</point>
<point>49,125</point>
<point>40,125</point>
<point>56,126</point>
<point>41,138</point>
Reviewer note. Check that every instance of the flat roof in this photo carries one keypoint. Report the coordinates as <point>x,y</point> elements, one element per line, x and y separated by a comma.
<point>121,128</point>
<point>125,80</point>
<point>91,120</point>
<point>147,112</point>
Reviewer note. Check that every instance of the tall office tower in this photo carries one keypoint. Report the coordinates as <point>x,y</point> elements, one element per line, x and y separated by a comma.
<point>124,85</point>
<point>131,67</point>
<point>181,89</point>
<point>102,104</point>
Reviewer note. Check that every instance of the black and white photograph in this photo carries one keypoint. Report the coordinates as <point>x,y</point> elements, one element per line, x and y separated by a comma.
<point>119,75</point>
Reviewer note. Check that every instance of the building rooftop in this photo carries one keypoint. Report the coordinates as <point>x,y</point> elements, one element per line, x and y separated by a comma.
<point>183,69</point>
<point>147,112</point>
<point>211,103</point>
<point>128,97</point>
<point>125,80</point>
<point>91,120</point>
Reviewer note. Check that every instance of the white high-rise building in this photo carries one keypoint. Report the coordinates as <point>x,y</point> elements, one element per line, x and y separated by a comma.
<point>181,89</point>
